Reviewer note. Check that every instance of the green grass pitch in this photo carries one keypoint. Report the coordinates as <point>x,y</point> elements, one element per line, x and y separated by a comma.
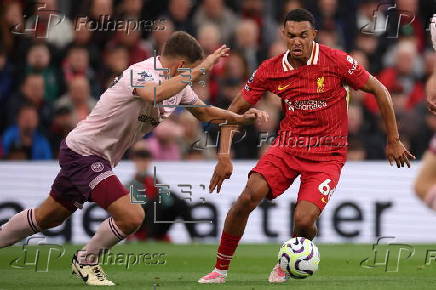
<point>339,269</point>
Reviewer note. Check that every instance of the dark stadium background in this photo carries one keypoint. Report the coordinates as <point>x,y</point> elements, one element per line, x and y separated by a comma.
<point>61,69</point>
<point>51,76</point>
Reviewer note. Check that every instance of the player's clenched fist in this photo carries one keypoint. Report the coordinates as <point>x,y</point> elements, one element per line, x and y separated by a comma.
<point>253,115</point>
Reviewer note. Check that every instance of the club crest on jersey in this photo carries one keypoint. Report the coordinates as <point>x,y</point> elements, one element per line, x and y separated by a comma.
<point>144,77</point>
<point>320,85</point>
<point>171,101</point>
<point>97,167</point>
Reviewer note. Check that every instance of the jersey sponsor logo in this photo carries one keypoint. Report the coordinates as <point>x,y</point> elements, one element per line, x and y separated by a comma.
<point>354,63</point>
<point>320,85</point>
<point>97,167</point>
<point>281,88</point>
<point>144,76</point>
<point>147,119</point>
<point>290,106</point>
<point>305,105</point>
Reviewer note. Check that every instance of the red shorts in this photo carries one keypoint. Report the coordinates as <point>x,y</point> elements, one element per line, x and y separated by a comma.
<point>318,178</point>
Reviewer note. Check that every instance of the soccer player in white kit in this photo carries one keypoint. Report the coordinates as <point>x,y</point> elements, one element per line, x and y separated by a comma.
<point>124,113</point>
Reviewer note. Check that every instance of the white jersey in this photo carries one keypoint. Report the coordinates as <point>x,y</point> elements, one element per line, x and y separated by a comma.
<point>121,118</point>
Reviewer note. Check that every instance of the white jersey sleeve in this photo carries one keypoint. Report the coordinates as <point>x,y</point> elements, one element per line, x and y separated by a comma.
<point>121,118</point>
<point>189,97</point>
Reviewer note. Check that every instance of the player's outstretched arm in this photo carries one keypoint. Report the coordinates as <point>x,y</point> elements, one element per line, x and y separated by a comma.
<point>154,92</point>
<point>216,115</point>
<point>224,168</point>
<point>395,150</point>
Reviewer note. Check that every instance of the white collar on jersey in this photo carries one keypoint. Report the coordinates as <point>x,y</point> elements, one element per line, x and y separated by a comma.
<point>311,61</point>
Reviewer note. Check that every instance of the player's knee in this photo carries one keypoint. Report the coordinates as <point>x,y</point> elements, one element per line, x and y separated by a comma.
<point>255,191</point>
<point>421,190</point>
<point>131,220</point>
<point>247,202</point>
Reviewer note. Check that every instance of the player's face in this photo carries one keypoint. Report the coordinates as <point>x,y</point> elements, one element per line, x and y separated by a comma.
<point>299,36</point>
<point>182,64</point>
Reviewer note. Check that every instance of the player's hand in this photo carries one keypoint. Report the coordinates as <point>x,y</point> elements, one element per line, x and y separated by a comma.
<point>431,104</point>
<point>214,57</point>
<point>433,30</point>
<point>223,170</point>
<point>255,115</point>
<point>396,152</point>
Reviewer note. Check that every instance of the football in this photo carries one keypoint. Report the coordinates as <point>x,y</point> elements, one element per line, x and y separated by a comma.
<point>299,258</point>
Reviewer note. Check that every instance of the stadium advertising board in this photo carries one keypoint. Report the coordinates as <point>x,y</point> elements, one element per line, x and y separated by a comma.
<point>371,200</point>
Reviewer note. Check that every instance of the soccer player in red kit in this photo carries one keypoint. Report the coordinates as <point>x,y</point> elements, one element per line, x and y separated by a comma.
<point>311,80</point>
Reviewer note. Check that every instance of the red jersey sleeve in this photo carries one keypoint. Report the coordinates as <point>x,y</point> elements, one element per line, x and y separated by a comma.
<point>255,87</point>
<point>351,71</point>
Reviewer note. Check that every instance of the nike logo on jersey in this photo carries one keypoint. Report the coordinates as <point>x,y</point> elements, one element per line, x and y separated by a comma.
<point>280,88</point>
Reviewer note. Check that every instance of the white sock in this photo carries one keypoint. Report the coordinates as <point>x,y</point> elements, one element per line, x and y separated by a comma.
<point>19,226</point>
<point>108,235</point>
<point>222,272</point>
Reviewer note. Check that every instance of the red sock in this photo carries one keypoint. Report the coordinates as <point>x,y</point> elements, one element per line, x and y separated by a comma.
<point>227,248</point>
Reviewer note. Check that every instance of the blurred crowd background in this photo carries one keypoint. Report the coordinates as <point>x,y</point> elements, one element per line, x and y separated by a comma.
<point>57,57</point>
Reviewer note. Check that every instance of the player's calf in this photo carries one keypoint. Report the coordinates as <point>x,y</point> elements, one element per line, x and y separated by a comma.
<point>305,216</point>
<point>125,219</point>
<point>31,221</point>
<point>126,215</point>
<point>255,191</point>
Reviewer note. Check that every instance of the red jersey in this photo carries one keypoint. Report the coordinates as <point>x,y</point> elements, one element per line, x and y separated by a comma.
<point>314,100</point>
